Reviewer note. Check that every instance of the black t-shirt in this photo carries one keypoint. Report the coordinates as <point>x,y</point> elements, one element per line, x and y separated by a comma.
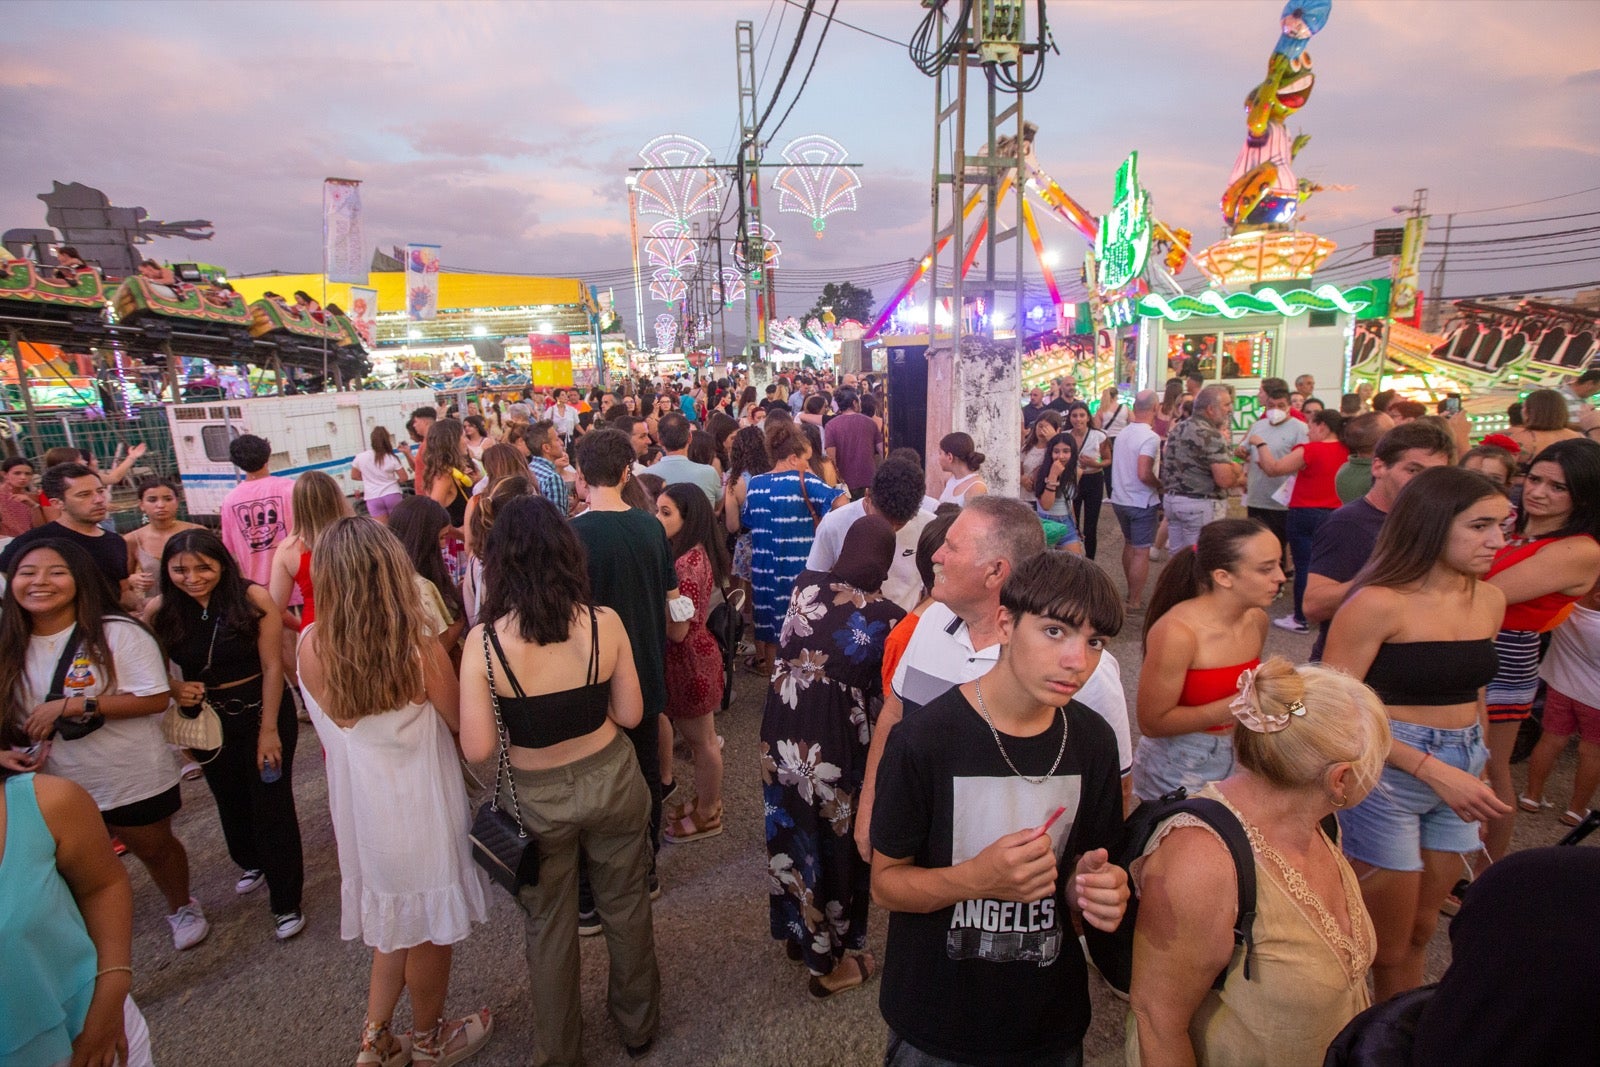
<point>630,571</point>
<point>1342,547</point>
<point>1060,404</point>
<point>109,551</point>
<point>990,982</point>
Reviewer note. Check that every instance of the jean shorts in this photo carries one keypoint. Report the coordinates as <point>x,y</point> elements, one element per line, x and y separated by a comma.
<point>1138,524</point>
<point>1162,764</point>
<point>1403,816</point>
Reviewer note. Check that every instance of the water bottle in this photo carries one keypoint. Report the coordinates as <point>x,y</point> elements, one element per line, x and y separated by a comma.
<point>270,773</point>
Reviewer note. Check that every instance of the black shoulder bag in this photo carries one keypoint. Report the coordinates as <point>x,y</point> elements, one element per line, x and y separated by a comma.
<point>71,727</point>
<point>501,844</point>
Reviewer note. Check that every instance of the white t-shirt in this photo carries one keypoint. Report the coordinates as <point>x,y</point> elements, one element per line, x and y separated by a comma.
<point>380,477</point>
<point>1138,439</point>
<point>1091,447</point>
<point>1113,422</point>
<point>1103,694</point>
<point>1572,666</point>
<point>904,584</point>
<point>126,760</point>
<point>565,419</point>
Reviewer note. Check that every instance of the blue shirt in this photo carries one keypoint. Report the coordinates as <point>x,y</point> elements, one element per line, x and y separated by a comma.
<point>550,482</point>
<point>686,402</point>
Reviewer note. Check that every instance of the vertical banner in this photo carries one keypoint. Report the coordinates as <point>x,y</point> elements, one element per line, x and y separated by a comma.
<point>1404,305</point>
<point>551,360</point>
<point>422,282</point>
<point>364,313</point>
<point>343,247</point>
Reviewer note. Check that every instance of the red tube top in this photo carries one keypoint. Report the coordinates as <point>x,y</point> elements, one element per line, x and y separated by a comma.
<point>1202,685</point>
<point>1542,613</point>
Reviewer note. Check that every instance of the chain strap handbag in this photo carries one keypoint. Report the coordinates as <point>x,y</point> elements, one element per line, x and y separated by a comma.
<point>198,727</point>
<point>501,844</point>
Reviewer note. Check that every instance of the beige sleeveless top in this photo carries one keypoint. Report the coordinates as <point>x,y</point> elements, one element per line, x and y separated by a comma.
<point>1307,978</point>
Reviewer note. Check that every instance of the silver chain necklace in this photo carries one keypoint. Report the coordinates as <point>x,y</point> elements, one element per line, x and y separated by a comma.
<point>983,709</point>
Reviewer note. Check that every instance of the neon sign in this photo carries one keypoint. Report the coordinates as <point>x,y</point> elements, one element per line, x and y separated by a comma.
<point>1122,243</point>
<point>1356,300</point>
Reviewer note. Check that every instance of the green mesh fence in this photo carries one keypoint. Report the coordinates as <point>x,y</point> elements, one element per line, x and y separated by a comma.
<point>108,439</point>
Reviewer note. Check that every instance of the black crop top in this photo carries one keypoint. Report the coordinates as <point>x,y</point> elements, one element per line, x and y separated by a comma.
<point>1432,673</point>
<point>551,718</point>
<point>211,652</point>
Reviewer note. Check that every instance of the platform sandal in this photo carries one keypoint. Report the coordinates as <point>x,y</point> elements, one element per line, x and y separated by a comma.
<point>689,826</point>
<point>381,1048</point>
<point>433,1048</point>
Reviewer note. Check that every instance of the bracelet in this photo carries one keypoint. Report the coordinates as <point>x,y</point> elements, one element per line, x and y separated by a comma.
<point>1426,756</point>
<point>108,970</point>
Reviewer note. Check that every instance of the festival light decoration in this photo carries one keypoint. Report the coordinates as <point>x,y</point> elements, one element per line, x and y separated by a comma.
<point>666,332</point>
<point>1356,300</point>
<point>816,183</point>
<point>1263,256</point>
<point>728,288</point>
<point>679,190</point>
<point>671,253</point>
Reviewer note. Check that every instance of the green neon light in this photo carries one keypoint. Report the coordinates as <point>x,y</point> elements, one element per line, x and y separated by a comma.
<point>1264,301</point>
<point>1122,243</point>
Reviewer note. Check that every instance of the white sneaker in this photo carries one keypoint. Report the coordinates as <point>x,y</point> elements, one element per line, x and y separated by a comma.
<point>1292,624</point>
<point>289,924</point>
<point>189,926</point>
<point>248,881</point>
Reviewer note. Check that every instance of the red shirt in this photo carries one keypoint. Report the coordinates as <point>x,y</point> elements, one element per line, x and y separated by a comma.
<point>1313,486</point>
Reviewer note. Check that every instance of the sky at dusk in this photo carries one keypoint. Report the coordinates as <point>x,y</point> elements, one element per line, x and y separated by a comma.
<point>503,131</point>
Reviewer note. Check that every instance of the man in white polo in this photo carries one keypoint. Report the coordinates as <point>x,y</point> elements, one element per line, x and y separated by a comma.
<point>957,638</point>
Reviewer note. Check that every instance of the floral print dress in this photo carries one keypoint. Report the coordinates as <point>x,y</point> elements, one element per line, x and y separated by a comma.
<point>814,736</point>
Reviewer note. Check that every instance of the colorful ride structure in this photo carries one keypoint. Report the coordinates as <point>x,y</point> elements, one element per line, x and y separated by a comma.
<point>1526,344</point>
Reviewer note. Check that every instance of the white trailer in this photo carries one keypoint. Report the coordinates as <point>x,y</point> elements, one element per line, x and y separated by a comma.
<point>314,432</point>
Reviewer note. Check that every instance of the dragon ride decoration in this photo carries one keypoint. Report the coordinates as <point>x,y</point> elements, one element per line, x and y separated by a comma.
<point>1263,190</point>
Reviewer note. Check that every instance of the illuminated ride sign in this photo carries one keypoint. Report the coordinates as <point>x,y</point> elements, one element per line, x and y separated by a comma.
<point>1122,243</point>
<point>1367,300</point>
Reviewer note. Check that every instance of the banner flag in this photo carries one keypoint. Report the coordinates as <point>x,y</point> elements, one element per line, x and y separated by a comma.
<point>1404,304</point>
<point>343,247</point>
<point>422,282</point>
<point>364,313</point>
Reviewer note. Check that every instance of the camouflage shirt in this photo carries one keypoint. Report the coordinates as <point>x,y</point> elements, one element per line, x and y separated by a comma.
<point>1192,447</point>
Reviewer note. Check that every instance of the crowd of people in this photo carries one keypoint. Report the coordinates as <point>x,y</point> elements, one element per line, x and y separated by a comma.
<point>536,585</point>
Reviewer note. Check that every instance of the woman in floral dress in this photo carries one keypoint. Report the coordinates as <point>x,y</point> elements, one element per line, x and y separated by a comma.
<point>814,735</point>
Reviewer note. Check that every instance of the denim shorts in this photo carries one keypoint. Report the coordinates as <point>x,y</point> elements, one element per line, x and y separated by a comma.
<point>1138,524</point>
<point>1403,816</point>
<point>1162,764</point>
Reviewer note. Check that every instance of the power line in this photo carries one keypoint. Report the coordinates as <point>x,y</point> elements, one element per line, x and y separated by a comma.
<point>788,64</point>
<point>1533,289</point>
<point>1520,222</point>
<point>853,26</point>
<point>1528,203</point>
<point>804,81</point>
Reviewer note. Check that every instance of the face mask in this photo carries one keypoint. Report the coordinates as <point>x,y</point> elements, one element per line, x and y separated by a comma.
<point>1276,416</point>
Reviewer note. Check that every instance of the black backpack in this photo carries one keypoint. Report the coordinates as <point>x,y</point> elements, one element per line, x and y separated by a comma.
<point>1113,952</point>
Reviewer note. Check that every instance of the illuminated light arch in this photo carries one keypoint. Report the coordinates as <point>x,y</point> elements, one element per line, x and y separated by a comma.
<point>678,191</point>
<point>816,183</point>
<point>666,327</point>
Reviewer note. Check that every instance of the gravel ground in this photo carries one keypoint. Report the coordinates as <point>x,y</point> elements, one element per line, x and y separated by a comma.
<point>729,995</point>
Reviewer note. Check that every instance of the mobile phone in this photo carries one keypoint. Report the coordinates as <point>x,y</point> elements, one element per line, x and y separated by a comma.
<point>1452,403</point>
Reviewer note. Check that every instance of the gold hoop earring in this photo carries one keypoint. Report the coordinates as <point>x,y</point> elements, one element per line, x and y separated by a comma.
<point>1340,802</point>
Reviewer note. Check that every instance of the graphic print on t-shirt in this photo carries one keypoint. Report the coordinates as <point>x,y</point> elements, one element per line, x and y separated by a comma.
<point>985,809</point>
<point>261,522</point>
<point>80,675</point>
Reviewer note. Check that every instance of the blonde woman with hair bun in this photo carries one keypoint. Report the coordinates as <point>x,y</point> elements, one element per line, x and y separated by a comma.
<point>1310,742</point>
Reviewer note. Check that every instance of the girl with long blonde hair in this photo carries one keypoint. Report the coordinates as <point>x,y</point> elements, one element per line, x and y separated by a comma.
<point>385,703</point>
<point>318,503</point>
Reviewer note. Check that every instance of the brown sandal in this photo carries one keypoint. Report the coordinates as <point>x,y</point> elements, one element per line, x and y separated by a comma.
<point>863,964</point>
<point>689,826</point>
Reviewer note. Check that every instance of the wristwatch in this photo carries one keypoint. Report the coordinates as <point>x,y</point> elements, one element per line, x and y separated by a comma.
<point>91,705</point>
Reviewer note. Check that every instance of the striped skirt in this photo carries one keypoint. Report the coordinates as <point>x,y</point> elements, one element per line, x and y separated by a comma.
<point>1510,694</point>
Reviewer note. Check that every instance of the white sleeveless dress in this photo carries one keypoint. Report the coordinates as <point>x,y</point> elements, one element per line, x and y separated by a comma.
<point>400,817</point>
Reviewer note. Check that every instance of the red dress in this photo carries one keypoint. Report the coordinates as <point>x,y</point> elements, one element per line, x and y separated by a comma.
<point>694,665</point>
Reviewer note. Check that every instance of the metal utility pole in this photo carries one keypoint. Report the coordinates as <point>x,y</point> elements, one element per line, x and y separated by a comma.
<point>1433,314</point>
<point>1419,207</point>
<point>750,239</point>
<point>974,379</point>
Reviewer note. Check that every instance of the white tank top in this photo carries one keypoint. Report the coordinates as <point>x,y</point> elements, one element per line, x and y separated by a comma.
<point>955,490</point>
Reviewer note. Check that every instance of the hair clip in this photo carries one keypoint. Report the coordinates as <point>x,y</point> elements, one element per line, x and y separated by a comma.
<point>1246,708</point>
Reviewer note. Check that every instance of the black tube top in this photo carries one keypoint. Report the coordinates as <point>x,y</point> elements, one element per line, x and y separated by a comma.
<point>551,718</point>
<point>1432,673</point>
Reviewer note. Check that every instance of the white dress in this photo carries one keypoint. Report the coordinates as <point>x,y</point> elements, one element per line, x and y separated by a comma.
<point>400,817</point>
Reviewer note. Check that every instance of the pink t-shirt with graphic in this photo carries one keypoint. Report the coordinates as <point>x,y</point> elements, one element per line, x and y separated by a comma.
<point>255,517</point>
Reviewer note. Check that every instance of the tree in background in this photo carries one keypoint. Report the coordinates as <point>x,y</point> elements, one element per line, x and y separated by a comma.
<point>846,300</point>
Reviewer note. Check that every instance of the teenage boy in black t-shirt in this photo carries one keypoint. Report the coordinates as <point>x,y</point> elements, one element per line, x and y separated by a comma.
<point>982,966</point>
